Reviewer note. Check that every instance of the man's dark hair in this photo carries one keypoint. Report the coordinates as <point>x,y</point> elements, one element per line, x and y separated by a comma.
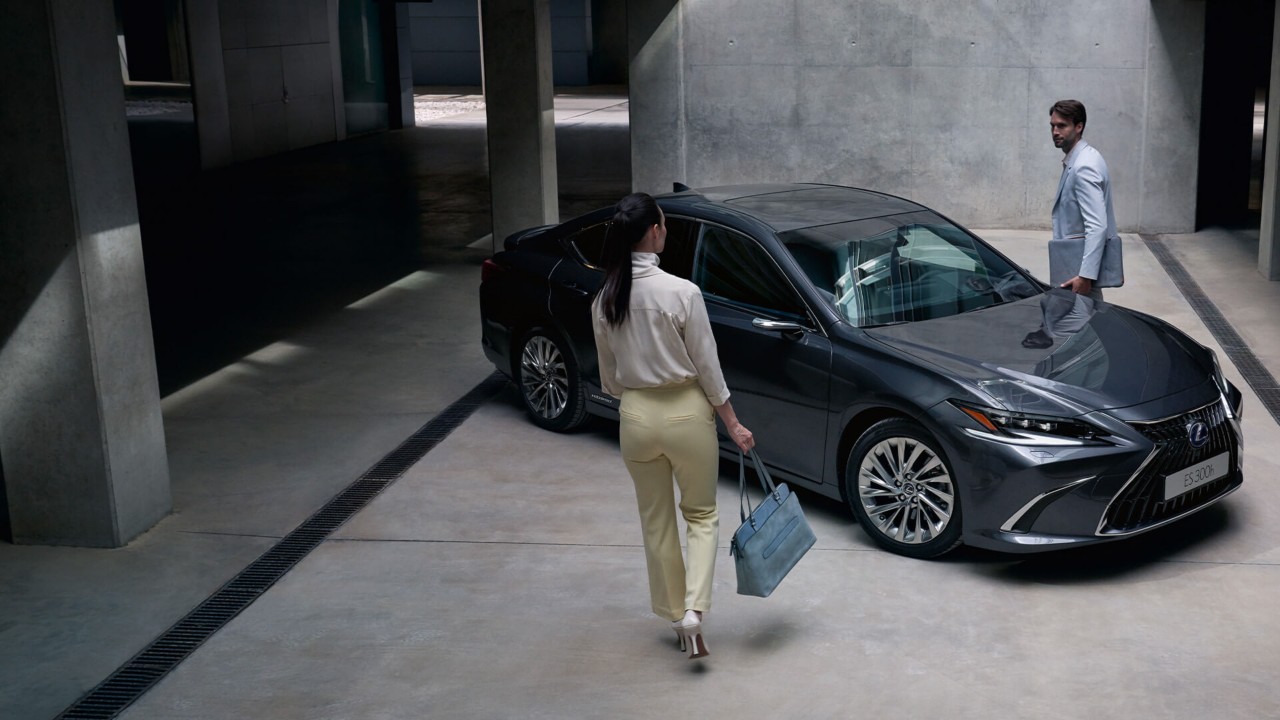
<point>1072,110</point>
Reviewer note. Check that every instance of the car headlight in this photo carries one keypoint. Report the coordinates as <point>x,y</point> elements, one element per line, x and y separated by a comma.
<point>1232,402</point>
<point>1218,378</point>
<point>1028,429</point>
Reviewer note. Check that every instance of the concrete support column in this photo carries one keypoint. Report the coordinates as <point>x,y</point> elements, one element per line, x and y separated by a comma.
<point>335,65</point>
<point>516,47</point>
<point>1269,235</point>
<point>656,81</point>
<point>397,51</point>
<point>209,83</point>
<point>81,437</point>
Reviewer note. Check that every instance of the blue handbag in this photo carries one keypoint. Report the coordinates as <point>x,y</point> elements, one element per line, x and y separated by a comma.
<point>773,536</point>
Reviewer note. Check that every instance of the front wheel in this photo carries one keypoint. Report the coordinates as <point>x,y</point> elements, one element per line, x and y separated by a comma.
<point>550,384</point>
<point>900,487</point>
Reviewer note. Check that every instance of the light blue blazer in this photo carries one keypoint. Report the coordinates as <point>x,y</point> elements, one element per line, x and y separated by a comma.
<point>1085,241</point>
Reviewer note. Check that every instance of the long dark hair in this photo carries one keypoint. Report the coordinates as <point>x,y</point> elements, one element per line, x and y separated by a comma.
<point>632,218</point>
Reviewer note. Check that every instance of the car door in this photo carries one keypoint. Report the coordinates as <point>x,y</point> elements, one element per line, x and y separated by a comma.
<point>779,380</point>
<point>574,283</point>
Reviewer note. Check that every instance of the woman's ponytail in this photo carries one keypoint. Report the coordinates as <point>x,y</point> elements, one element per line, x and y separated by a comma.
<point>632,218</point>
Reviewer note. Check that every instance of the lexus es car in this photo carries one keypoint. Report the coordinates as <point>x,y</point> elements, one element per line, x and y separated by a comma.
<point>885,356</point>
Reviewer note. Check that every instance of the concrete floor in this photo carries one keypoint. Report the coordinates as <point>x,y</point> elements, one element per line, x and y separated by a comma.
<point>503,576</point>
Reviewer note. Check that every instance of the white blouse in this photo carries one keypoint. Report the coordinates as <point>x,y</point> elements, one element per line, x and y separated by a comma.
<point>666,339</point>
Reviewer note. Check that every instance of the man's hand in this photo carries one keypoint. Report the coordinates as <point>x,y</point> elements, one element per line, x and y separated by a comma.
<point>1079,285</point>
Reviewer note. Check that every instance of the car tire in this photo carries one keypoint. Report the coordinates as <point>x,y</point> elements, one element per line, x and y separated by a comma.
<point>899,485</point>
<point>550,384</point>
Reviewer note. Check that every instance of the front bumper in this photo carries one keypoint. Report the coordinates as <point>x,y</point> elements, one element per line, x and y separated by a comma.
<point>1030,498</point>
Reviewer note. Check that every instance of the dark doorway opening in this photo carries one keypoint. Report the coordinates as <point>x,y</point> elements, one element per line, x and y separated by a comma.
<point>1237,71</point>
<point>152,36</point>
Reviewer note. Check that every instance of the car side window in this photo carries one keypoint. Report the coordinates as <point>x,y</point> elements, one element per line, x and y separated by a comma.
<point>677,257</point>
<point>589,242</point>
<point>733,268</point>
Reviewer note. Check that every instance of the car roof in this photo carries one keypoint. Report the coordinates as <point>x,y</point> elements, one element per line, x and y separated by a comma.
<point>798,205</point>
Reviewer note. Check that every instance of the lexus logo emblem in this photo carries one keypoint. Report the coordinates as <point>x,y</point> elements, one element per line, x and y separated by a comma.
<point>1198,434</point>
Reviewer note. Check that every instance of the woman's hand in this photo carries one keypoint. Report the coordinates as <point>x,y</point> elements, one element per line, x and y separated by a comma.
<point>742,437</point>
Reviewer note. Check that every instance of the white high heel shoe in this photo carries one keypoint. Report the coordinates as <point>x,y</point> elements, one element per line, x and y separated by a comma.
<point>689,630</point>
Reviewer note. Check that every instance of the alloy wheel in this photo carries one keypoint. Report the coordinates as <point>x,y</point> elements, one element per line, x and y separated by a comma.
<point>544,377</point>
<point>906,490</point>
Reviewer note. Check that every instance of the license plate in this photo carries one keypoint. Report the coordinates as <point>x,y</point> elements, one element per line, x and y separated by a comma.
<point>1196,475</point>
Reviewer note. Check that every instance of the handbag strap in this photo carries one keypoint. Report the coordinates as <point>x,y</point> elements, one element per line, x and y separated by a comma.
<point>766,482</point>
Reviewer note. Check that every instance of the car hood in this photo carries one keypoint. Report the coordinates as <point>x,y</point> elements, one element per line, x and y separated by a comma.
<point>1057,351</point>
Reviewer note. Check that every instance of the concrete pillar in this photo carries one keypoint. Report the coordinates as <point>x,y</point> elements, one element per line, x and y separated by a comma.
<point>335,66</point>
<point>209,83</point>
<point>515,36</point>
<point>397,58</point>
<point>404,61</point>
<point>1269,235</point>
<point>81,436</point>
<point>656,81</point>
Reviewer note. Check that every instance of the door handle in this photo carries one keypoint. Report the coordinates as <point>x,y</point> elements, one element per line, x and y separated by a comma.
<point>576,289</point>
<point>790,330</point>
<point>778,325</point>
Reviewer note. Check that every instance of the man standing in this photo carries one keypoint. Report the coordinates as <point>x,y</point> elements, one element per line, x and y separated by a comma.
<point>1084,253</point>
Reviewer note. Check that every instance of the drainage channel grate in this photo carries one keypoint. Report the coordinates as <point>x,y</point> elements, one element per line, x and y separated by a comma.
<point>1250,367</point>
<point>135,677</point>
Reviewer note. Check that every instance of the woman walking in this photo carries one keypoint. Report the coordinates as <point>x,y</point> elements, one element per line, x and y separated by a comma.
<point>658,355</point>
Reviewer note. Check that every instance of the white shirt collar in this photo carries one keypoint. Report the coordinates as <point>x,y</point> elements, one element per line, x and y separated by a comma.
<point>644,264</point>
<point>1068,159</point>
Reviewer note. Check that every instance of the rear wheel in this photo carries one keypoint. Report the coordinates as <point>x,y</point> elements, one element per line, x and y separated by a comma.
<point>550,384</point>
<point>900,487</point>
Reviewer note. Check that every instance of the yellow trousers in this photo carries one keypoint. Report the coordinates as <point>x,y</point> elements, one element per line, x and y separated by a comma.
<point>666,432</point>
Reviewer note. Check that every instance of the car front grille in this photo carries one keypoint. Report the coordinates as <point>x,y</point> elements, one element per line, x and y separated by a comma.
<point>1141,502</point>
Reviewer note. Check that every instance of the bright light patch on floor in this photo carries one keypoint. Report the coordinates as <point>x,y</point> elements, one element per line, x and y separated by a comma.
<point>285,352</point>
<point>413,281</point>
<point>427,108</point>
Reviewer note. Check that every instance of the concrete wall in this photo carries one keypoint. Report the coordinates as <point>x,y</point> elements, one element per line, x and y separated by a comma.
<point>445,39</point>
<point>571,41</point>
<point>281,92</point>
<point>943,101</point>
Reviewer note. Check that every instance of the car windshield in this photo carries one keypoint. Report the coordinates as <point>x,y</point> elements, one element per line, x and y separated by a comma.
<point>904,268</point>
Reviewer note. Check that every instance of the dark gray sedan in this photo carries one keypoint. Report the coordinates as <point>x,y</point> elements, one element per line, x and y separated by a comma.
<point>888,357</point>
